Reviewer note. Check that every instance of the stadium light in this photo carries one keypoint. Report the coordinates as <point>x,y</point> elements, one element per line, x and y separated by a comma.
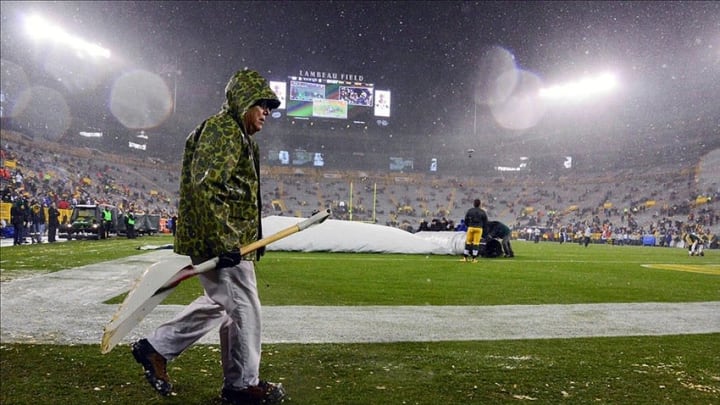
<point>581,89</point>
<point>39,29</point>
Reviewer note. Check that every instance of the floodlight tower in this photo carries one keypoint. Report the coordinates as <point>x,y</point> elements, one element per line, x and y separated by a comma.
<point>580,89</point>
<point>39,29</point>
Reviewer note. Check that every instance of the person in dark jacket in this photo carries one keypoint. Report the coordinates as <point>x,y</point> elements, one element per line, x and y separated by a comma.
<point>173,226</point>
<point>37,217</point>
<point>19,217</point>
<point>53,222</point>
<point>475,219</point>
<point>130,224</point>
<point>498,230</point>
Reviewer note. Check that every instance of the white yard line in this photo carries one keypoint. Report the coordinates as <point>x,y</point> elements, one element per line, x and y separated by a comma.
<point>66,308</point>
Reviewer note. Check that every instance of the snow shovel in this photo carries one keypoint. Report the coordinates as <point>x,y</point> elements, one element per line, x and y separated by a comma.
<point>160,279</point>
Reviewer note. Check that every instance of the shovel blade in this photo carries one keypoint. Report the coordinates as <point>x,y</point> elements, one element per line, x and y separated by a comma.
<point>142,299</point>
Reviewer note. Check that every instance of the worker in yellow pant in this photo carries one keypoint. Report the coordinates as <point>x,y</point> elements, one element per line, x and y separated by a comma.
<point>475,219</point>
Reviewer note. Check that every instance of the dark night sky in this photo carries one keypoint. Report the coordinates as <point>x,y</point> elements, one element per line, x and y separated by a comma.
<point>665,54</point>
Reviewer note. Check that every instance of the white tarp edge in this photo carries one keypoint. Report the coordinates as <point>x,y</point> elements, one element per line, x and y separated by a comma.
<point>346,236</point>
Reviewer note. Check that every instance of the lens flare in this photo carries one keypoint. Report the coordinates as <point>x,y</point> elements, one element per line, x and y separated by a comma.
<point>707,176</point>
<point>497,77</point>
<point>14,85</point>
<point>46,115</point>
<point>140,100</point>
<point>522,109</point>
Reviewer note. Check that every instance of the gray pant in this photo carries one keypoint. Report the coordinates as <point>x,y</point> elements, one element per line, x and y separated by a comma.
<point>231,301</point>
<point>507,248</point>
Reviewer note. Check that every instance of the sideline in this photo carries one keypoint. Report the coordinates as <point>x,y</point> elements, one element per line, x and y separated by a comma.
<point>690,268</point>
<point>8,242</point>
<point>66,308</point>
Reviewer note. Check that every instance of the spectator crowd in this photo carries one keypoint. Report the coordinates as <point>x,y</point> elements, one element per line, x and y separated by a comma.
<point>620,207</point>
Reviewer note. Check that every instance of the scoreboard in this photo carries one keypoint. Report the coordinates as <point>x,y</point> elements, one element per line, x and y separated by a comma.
<point>329,99</point>
<point>326,101</point>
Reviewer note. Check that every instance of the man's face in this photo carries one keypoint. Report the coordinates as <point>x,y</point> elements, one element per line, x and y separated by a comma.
<point>254,118</point>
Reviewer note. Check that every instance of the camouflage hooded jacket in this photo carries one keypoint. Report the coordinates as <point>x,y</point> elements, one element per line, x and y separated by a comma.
<point>220,207</point>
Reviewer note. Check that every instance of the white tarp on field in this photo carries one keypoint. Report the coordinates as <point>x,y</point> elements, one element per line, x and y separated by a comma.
<point>345,236</point>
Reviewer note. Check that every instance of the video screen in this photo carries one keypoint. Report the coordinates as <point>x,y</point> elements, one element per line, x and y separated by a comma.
<point>329,108</point>
<point>361,96</point>
<point>298,157</point>
<point>400,164</point>
<point>279,89</point>
<point>329,98</point>
<point>304,91</point>
<point>301,157</point>
<point>318,160</point>
<point>382,103</point>
<point>281,157</point>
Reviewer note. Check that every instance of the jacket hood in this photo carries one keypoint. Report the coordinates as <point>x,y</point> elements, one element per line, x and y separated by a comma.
<point>245,89</point>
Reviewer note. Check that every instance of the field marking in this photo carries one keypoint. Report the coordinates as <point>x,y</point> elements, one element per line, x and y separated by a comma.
<point>451,258</point>
<point>713,269</point>
<point>66,307</point>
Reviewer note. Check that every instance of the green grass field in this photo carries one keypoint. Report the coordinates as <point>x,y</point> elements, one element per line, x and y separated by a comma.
<point>629,370</point>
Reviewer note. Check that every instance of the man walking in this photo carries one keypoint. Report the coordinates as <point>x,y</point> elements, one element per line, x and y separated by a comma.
<point>219,211</point>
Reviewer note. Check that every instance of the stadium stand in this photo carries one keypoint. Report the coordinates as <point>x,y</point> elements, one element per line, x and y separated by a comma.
<point>616,203</point>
